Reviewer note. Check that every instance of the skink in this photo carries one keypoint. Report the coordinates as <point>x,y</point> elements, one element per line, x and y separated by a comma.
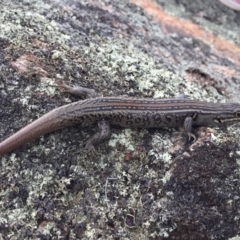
<point>125,112</point>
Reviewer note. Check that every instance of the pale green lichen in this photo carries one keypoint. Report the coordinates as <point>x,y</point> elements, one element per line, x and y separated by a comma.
<point>235,238</point>
<point>12,21</point>
<point>160,150</point>
<point>123,138</point>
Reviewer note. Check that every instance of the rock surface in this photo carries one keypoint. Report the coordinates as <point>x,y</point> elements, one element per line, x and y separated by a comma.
<point>141,184</point>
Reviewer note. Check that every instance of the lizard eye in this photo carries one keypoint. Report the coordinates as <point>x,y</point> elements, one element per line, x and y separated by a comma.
<point>237,114</point>
<point>218,120</point>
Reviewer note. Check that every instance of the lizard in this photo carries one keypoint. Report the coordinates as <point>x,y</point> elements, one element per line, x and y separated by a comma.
<point>124,112</point>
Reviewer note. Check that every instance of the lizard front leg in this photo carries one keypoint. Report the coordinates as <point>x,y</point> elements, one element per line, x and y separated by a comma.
<point>188,128</point>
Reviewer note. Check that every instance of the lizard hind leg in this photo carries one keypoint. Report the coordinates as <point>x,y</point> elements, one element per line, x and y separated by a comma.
<point>101,135</point>
<point>78,91</point>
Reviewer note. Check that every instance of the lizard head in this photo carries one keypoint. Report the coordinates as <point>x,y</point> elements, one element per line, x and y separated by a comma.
<point>230,113</point>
